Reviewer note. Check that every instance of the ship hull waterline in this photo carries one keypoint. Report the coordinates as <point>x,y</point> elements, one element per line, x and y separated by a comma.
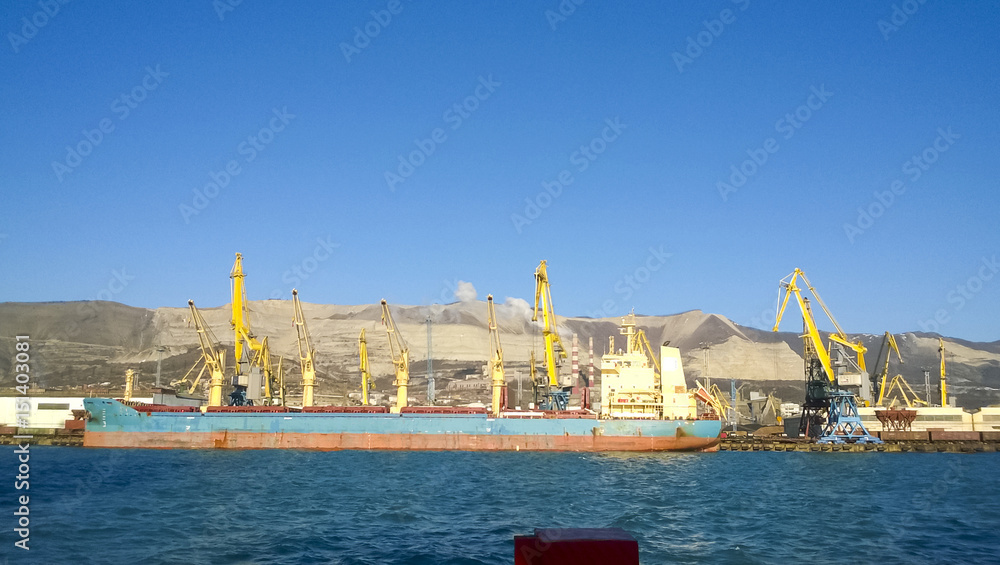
<point>113,425</point>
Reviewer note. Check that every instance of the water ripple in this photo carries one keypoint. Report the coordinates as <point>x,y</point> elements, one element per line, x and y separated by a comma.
<point>385,508</point>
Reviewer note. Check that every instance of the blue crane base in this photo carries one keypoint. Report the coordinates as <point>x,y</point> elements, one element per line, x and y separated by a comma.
<point>843,424</point>
<point>239,398</point>
<point>555,400</point>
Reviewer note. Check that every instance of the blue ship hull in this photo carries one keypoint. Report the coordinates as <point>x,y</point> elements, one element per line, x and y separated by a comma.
<point>112,424</point>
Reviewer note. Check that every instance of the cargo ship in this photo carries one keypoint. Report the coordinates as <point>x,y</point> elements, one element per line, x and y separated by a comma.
<point>642,409</point>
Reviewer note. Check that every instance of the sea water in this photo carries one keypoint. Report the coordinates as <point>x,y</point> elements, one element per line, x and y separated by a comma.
<point>448,508</point>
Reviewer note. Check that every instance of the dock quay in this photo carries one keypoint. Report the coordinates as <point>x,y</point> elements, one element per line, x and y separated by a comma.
<point>888,446</point>
<point>41,436</point>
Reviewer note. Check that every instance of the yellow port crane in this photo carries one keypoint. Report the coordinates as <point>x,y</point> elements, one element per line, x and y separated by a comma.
<point>882,376</point>
<point>246,365</point>
<point>130,378</point>
<point>823,393</point>
<point>944,390</point>
<point>904,390</point>
<point>553,397</point>
<point>897,387</point>
<point>496,359</point>
<point>400,358</point>
<point>213,355</point>
<point>306,351</point>
<point>366,375</point>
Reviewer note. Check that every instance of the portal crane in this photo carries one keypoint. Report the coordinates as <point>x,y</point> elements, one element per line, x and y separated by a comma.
<point>400,358</point>
<point>897,387</point>
<point>553,397</point>
<point>496,360</point>
<point>881,376</point>
<point>823,393</point>
<point>306,351</point>
<point>904,391</point>
<point>249,368</point>
<point>212,353</point>
<point>366,375</point>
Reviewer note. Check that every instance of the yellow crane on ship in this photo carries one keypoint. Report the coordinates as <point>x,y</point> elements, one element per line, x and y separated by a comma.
<point>247,365</point>
<point>553,397</point>
<point>213,355</point>
<point>130,384</point>
<point>306,351</point>
<point>944,390</point>
<point>400,358</point>
<point>498,380</point>
<point>366,375</point>
<point>823,393</point>
<point>639,342</point>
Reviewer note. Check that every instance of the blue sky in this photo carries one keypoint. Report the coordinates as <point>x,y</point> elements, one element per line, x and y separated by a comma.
<point>706,150</point>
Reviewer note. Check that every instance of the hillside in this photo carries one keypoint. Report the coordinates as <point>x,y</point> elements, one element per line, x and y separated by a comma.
<point>89,343</point>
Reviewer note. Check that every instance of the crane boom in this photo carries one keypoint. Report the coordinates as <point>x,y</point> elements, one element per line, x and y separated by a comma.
<point>366,375</point>
<point>642,344</point>
<point>400,358</point>
<point>306,351</point>
<point>554,351</point>
<point>811,330</point>
<point>213,354</point>
<point>496,358</point>
<point>838,337</point>
<point>240,320</point>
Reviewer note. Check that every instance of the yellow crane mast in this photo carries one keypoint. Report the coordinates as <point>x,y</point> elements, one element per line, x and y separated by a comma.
<point>130,378</point>
<point>212,353</point>
<point>400,358</point>
<point>274,381</point>
<point>306,351</point>
<point>944,390</point>
<point>366,375</point>
<point>496,358</point>
<point>554,351</point>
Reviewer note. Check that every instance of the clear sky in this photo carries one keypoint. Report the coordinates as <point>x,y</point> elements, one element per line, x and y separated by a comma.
<point>660,156</point>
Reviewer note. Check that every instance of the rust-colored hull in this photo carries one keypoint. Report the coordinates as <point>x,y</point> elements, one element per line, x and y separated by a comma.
<point>408,442</point>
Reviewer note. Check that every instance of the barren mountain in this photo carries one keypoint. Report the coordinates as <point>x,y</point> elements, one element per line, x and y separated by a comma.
<point>89,343</point>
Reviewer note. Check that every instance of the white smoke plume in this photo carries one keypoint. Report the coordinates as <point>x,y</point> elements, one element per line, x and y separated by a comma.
<point>518,308</point>
<point>465,292</point>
